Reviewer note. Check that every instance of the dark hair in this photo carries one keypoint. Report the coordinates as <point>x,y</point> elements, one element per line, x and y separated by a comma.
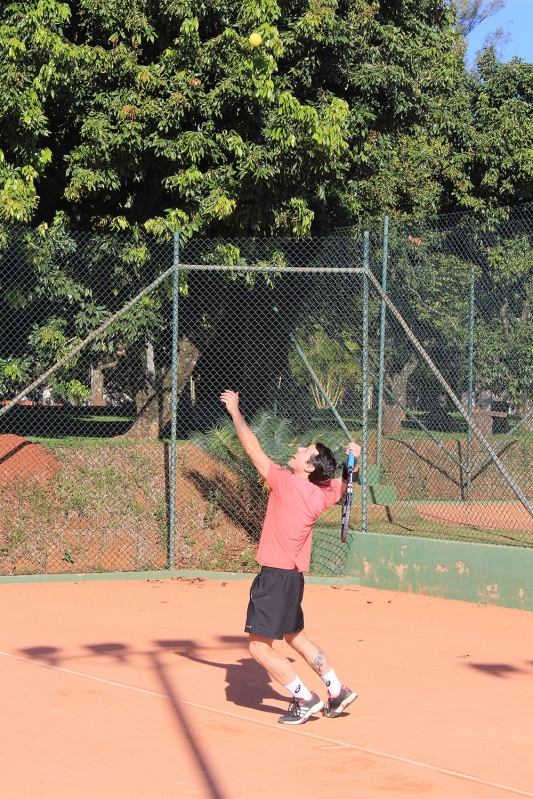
<point>325,464</point>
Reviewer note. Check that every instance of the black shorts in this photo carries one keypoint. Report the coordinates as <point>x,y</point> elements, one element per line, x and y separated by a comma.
<point>275,607</point>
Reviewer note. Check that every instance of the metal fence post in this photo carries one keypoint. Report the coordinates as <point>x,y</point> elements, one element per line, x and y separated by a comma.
<point>364,447</point>
<point>174,407</point>
<point>382,345</point>
<point>470,384</point>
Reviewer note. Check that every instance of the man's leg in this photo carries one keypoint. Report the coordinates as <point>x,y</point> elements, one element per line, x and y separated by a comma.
<point>310,652</point>
<point>340,696</point>
<point>277,665</point>
<point>281,669</point>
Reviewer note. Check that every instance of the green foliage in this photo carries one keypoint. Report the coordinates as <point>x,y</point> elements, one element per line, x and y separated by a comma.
<point>505,336</point>
<point>158,113</point>
<point>511,259</point>
<point>63,286</point>
<point>471,13</point>
<point>434,280</point>
<point>276,437</point>
<point>501,159</point>
<point>228,254</point>
<point>430,279</point>
<point>333,366</point>
<point>14,374</point>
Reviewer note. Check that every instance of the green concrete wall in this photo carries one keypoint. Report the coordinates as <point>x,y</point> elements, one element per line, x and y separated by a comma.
<point>480,573</point>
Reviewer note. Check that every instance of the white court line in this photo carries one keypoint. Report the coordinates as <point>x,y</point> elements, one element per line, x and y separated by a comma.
<point>340,744</point>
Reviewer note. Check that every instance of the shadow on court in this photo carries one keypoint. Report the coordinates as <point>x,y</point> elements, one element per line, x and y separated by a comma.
<point>498,669</point>
<point>248,684</point>
<point>122,654</point>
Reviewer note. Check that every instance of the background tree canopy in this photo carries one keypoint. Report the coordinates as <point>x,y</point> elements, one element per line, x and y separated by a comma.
<point>159,113</point>
<point>151,116</point>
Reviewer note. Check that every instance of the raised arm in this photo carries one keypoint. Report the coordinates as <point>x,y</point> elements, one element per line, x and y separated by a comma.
<point>248,439</point>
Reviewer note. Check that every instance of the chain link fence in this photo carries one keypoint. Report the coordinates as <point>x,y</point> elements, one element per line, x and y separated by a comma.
<point>115,454</point>
<point>453,350</point>
<point>83,477</point>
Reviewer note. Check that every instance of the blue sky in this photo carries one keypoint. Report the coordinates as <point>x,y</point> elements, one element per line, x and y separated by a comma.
<point>517,19</point>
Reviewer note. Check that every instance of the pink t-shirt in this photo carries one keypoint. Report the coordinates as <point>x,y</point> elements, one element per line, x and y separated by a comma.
<point>293,506</point>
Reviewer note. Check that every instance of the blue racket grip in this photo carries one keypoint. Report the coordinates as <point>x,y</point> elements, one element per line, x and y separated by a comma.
<point>351,460</point>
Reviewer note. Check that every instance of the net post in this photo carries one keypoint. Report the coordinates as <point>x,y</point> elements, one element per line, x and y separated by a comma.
<point>173,407</point>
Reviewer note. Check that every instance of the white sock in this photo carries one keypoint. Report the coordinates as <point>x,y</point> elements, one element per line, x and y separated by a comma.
<point>298,690</point>
<point>332,682</point>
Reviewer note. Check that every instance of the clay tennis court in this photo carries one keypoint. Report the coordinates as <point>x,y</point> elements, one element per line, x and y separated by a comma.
<point>136,688</point>
<point>490,515</point>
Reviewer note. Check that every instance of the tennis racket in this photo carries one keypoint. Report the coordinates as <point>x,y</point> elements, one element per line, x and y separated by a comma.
<point>345,524</point>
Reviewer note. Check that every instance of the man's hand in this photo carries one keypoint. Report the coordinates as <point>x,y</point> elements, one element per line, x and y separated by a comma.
<point>230,400</point>
<point>249,440</point>
<point>354,448</point>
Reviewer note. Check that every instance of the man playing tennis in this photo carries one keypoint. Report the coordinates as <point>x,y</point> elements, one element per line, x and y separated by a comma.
<point>298,495</point>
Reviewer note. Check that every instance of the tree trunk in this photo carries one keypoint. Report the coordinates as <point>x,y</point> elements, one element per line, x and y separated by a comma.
<point>97,379</point>
<point>150,364</point>
<point>154,406</point>
<point>398,382</point>
<point>525,407</point>
<point>97,385</point>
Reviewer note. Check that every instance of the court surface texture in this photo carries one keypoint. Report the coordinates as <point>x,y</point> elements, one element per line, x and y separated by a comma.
<point>124,689</point>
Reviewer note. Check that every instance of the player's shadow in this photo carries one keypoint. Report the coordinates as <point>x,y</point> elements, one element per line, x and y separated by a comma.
<point>247,683</point>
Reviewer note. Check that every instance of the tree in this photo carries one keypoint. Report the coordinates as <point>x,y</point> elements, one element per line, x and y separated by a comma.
<point>158,113</point>
<point>154,406</point>
<point>429,282</point>
<point>502,143</point>
<point>335,369</point>
<point>58,286</point>
<point>162,105</point>
<point>504,331</point>
<point>413,155</point>
<point>470,13</point>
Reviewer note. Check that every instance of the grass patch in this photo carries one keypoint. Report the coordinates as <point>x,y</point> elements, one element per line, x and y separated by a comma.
<point>404,520</point>
<point>79,442</point>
